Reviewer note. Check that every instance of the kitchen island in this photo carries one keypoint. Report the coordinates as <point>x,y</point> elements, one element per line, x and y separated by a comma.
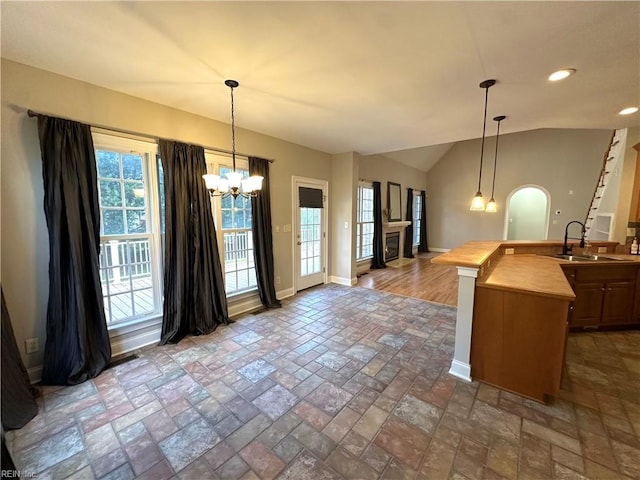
<point>515,303</point>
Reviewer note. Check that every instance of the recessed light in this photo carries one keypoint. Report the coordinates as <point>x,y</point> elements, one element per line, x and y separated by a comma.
<point>561,74</point>
<point>628,111</point>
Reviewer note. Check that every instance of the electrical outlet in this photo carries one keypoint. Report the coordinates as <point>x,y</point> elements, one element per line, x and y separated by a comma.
<point>509,251</point>
<point>31,345</point>
<point>278,280</point>
<point>602,249</point>
<point>287,227</point>
<point>631,232</point>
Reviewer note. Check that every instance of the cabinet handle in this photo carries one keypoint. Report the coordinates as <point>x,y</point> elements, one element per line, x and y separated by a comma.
<point>603,289</point>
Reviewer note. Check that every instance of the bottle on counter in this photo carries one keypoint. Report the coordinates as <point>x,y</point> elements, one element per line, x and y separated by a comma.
<point>634,246</point>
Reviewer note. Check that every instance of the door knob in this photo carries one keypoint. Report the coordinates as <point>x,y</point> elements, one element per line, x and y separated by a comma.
<point>299,243</point>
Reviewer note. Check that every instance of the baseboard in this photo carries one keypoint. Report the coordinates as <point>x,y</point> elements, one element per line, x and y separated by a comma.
<point>129,338</point>
<point>287,292</point>
<point>35,374</point>
<point>343,281</point>
<point>129,342</point>
<point>363,266</point>
<point>460,370</point>
<point>244,305</point>
<point>440,250</point>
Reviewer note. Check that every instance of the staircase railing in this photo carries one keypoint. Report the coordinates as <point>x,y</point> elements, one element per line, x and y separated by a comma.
<point>613,153</point>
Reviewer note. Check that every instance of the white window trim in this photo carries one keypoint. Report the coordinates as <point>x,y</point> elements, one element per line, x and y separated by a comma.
<point>215,160</point>
<point>113,142</point>
<point>416,194</point>
<point>361,183</point>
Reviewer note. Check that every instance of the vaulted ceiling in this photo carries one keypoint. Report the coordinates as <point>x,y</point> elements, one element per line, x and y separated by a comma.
<point>371,77</point>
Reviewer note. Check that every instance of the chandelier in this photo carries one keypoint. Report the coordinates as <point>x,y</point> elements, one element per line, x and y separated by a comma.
<point>233,183</point>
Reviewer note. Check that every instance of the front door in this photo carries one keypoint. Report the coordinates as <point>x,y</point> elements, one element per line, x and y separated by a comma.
<point>310,231</point>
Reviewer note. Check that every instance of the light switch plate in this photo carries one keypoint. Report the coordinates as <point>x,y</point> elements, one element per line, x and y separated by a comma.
<point>31,345</point>
<point>631,232</point>
<point>602,249</point>
<point>509,251</point>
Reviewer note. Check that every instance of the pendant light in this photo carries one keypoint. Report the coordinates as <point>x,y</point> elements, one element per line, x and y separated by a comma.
<point>491,206</point>
<point>234,184</point>
<point>477,204</point>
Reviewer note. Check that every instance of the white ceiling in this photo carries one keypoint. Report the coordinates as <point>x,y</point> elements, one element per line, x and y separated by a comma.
<point>370,77</point>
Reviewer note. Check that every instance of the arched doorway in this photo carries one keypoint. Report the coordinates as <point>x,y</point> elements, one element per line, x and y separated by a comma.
<point>527,214</point>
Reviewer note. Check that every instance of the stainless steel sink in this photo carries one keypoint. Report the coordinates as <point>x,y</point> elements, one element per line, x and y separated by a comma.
<point>586,258</point>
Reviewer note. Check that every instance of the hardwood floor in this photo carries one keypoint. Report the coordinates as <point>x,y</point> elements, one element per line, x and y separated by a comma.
<point>417,278</point>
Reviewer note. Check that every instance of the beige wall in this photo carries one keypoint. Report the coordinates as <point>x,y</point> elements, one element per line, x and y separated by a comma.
<point>558,160</point>
<point>344,181</point>
<point>383,169</point>
<point>25,256</point>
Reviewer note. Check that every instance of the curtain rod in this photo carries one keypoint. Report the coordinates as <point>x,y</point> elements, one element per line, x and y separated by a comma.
<point>31,113</point>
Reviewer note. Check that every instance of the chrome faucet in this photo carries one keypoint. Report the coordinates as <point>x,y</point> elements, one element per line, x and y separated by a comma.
<point>566,249</point>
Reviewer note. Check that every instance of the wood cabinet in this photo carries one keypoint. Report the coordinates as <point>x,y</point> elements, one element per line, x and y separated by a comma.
<point>518,341</point>
<point>605,295</point>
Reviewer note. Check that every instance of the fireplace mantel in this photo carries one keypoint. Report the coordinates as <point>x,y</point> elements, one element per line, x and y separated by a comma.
<point>395,225</point>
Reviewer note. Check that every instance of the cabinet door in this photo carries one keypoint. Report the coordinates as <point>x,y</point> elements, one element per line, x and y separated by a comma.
<point>618,303</point>
<point>587,307</point>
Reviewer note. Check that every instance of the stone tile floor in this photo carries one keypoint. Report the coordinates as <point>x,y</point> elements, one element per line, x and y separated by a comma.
<point>340,383</point>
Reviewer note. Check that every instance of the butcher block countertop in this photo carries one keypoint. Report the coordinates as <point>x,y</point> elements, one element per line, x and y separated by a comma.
<point>532,273</point>
<point>471,254</point>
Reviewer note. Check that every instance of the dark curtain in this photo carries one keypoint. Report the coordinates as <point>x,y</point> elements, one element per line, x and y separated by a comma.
<point>18,397</point>
<point>408,231</point>
<point>194,298</point>
<point>7,461</point>
<point>378,252</point>
<point>423,247</point>
<point>77,346</point>
<point>262,239</point>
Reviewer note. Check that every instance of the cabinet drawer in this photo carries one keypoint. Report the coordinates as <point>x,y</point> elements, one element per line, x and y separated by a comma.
<point>606,272</point>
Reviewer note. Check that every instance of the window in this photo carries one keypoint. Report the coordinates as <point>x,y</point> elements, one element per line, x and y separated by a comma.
<point>417,218</point>
<point>233,226</point>
<point>129,227</point>
<point>364,226</point>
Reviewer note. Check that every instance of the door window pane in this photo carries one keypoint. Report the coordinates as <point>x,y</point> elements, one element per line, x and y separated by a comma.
<point>310,235</point>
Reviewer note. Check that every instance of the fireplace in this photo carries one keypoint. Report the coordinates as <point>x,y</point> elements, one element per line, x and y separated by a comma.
<point>392,249</point>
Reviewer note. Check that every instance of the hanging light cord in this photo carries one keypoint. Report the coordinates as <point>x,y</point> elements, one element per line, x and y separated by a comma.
<point>495,159</point>
<point>484,128</point>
